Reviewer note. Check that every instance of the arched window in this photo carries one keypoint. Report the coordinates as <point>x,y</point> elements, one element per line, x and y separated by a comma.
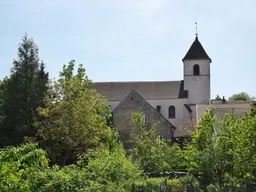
<point>171,112</point>
<point>158,108</point>
<point>196,69</point>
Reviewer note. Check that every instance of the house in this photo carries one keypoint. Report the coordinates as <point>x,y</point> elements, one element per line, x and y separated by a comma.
<point>221,108</point>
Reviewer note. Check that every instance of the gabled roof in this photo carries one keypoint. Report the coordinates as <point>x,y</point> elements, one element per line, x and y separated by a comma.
<point>188,108</point>
<point>196,51</point>
<point>132,93</point>
<point>149,90</point>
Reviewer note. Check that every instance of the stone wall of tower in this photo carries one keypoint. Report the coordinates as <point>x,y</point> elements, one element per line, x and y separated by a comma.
<point>198,86</point>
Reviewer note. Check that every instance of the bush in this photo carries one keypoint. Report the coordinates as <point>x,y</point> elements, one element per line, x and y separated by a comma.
<point>213,188</point>
<point>26,168</point>
<point>159,184</point>
<point>111,168</point>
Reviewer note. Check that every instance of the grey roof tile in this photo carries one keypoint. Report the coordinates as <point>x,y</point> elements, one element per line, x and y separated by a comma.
<point>116,91</point>
<point>196,51</point>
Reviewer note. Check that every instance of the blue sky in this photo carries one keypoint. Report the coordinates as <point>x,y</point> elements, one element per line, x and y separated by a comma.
<point>133,40</point>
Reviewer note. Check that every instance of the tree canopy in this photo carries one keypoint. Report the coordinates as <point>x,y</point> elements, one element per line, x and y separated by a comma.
<point>22,93</point>
<point>74,118</point>
<point>240,97</point>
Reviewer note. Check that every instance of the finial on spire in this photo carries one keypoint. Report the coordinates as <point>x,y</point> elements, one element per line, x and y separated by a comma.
<point>196,29</point>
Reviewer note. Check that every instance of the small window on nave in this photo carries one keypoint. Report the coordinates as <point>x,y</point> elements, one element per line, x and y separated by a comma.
<point>171,111</point>
<point>196,69</point>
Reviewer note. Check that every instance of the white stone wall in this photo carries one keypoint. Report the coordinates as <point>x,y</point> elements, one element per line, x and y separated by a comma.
<point>198,86</point>
<point>181,113</point>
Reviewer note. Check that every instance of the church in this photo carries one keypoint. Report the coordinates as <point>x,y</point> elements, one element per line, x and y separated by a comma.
<point>170,105</point>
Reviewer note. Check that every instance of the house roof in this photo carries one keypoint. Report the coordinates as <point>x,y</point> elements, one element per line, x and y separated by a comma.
<point>196,51</point>
<point>188,108</point>
<point>149,90</point>
<point>134,92</point>
<point>221,109</point>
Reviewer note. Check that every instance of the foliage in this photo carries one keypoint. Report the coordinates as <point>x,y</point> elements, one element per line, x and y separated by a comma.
<point>191,183</point>
<point>240,97</point>
<point>175,157</point>
<point>207,156</point>
<point>221,147</point>
<point>111,168</point>
<point>22,93</point>
<point>26,168</point>
<point>74,118</point>
<point>18,164</point>
<point>213,188</point>
<point>165,184</point>
<point>159,184</point>
<point>148,148</point>
<point>153,153</point>
<point>217,98</point>
<point>238,141</point>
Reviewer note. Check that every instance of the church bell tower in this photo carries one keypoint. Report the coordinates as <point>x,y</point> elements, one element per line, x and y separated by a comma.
<point>197,79</point>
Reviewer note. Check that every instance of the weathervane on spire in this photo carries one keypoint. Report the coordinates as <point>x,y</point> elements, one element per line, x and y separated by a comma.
<point>196,29</point>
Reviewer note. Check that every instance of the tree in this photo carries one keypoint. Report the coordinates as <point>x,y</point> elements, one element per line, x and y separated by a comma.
<point>148,148</point>
<point>240,97</point>
<point>74,117</point>
<point>217,98</point>
<point>221,147</point>
<point>151,152</point>
<point>238,141</point>
<point>20,167</point>
<point>111,170</point>
<point>26,168</point>
<point>22,93</point>
<point>209,156</point>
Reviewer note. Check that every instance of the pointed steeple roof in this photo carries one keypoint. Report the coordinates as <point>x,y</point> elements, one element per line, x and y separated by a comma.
<point>196,51</point>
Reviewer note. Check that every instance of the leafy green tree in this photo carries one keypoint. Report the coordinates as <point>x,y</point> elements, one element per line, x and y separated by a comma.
<point>208,155</point>
<point>111,170</point>
<point>238,141</point>
<point>217,98</point>
<point>22,93</point>
<point>25,168</point>
<point>203,147</point>
<point>19,165</point>
<point>152,153</point>
<point>240,97</point>
<point>148,148</point>
<point>221,147</point>
<point>74,117</point>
